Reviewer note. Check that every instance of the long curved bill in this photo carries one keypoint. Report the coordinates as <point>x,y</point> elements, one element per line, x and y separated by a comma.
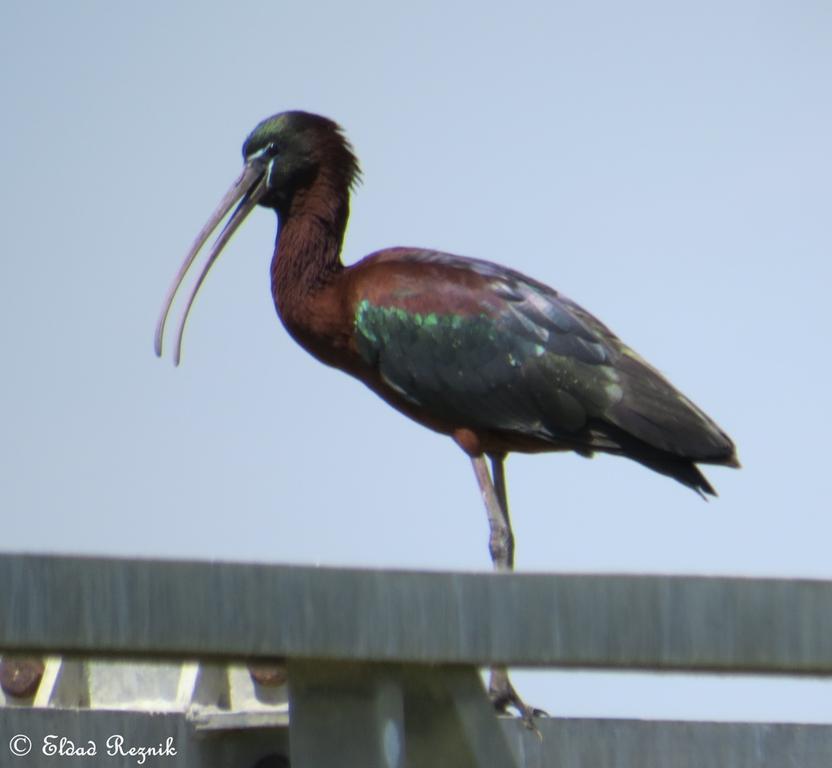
<point>247,191</point>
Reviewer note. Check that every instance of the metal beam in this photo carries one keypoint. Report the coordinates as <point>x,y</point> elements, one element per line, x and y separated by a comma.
<point>344,715</point>
<point>93,606</point>
<point>392,715</point>
<point>364,650</point>
<point>196,609</point>
<point>202,609</point>
<point>563,743</point>
<point>642,744</point>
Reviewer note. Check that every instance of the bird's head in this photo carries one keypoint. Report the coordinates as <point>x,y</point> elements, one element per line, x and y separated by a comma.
<point>283,156</point>
<point>293,149</point>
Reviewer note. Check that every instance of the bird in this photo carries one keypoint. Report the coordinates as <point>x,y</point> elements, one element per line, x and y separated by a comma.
<point>471,349</point>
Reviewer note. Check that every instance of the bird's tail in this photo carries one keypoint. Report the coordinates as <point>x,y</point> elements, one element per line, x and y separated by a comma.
<point>681,470</point>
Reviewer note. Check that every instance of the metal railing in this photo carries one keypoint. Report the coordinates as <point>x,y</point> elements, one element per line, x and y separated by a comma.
<point>383,665</point>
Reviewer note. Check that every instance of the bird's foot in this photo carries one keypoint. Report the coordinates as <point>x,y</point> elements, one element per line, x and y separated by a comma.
<point>504,696</point>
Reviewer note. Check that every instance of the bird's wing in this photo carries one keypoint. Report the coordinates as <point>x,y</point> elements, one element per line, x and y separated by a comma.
<point>486,347</point>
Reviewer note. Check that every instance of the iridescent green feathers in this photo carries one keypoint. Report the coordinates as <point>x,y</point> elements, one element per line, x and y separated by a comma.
<point>524,360</point>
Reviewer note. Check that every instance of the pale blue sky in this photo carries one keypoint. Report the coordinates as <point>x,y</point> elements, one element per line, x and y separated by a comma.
<point>667,165</point>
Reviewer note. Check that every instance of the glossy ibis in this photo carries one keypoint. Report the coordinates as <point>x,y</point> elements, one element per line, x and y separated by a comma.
<point>477,351</point>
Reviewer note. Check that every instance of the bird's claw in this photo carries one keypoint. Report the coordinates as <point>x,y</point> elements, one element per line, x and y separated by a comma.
<point>503,696</point>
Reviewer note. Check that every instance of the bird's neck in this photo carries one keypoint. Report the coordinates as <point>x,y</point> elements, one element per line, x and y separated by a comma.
<point>310,232</point>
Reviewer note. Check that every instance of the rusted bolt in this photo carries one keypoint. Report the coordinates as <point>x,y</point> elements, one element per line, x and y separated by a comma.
<point>270,675</point>
<point>20,676</point>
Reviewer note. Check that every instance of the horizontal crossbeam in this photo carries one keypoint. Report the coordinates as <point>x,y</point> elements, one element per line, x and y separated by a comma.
<point>95,606</point>
<point>562,742</point>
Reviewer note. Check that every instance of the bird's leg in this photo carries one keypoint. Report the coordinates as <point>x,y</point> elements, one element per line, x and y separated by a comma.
<point>501,546</point>
<point>500,539</point>
<point>498,474</point>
